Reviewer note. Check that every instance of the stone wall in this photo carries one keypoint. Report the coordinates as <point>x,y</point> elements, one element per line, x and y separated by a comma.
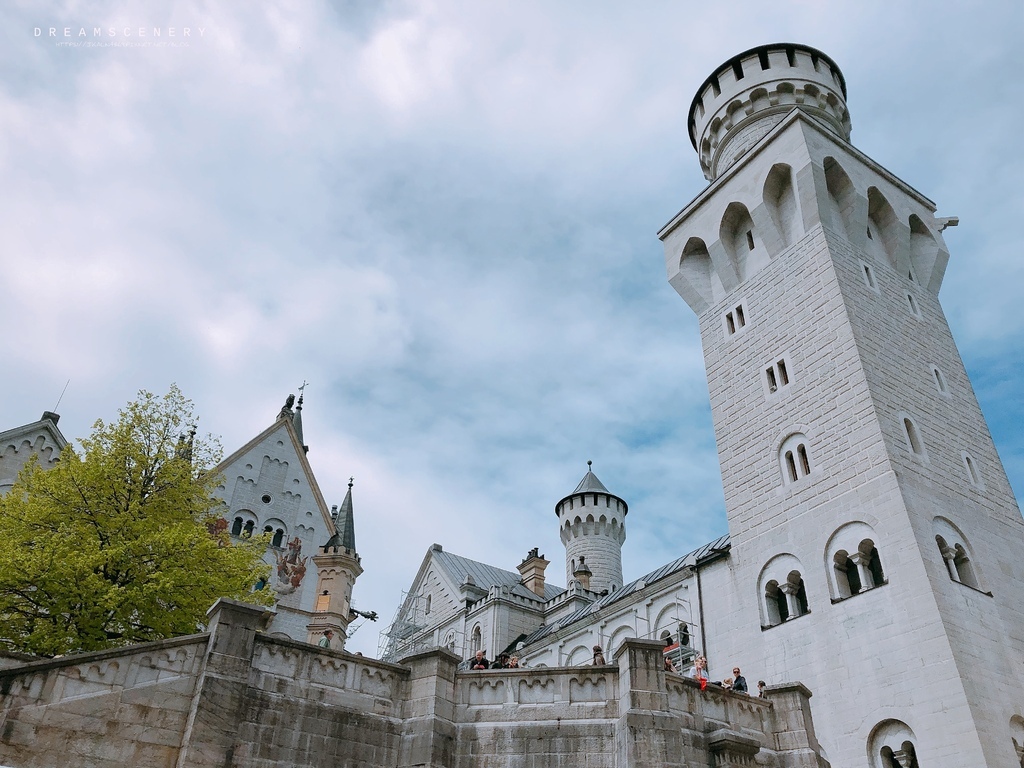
<point>235,697</point>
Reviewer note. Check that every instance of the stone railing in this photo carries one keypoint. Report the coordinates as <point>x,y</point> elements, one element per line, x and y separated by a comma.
<point>236,697</point>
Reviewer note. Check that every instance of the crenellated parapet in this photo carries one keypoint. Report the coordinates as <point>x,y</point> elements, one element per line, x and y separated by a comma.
<point>747,96</point>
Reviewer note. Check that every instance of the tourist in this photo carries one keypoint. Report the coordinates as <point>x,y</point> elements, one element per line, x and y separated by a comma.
<point>700,672</point>
<point>325,641</point>
<point>761,685</point>
<point>501,662</point>
<point>479,661</point>
<point>513,662</point>
<point>740,682</point>
<point>599,657</point>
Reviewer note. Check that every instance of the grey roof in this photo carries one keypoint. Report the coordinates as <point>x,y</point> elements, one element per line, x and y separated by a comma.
<point>345,525</point>
<point>717,546</point>
<point>590,483</point>
<point>48,422</point>
<point>486,576</point>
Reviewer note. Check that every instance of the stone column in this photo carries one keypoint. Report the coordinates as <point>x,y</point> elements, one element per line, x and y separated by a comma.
<point>791,602</point>
<point>647,735</point>
<point>428,731</point>
<point>795,742</point>
<point>949,556</point>
<point>211,732</point>
<point>867,580</point>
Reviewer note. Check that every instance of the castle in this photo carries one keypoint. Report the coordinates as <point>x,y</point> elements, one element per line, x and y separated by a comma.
<point>873,556</point>
<point>874,547</point>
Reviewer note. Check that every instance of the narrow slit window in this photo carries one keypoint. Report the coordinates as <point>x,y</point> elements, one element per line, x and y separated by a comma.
<point>913,305</point>
<point>740,320</point>
<point>773,385</point>
<point>940,381</point>
<point>972,471</point>
<point>869,234</point>
<point>730,323</point>
<point>913,438</point>
<point>791,466</point>
<point>783,374</point>
<point>805,465</point>
<point>750,239</point>
<point>869,278</point>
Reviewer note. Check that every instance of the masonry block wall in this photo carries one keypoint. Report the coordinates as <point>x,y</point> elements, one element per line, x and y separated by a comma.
<point>234,697</point>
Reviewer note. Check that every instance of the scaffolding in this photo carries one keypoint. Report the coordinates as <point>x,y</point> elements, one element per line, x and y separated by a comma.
<point>404,636</point>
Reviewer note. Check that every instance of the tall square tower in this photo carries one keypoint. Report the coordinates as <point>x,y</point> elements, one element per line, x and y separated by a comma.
<point>878,551</point>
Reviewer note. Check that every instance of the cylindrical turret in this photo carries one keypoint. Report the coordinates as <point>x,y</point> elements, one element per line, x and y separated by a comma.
<point>593,528</point>
<point>751,93</point>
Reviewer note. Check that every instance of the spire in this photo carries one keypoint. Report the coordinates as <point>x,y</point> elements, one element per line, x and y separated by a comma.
<point>590,482</point>
<point>297,423</point>
<point>348,526</point>
<point>344,525</point>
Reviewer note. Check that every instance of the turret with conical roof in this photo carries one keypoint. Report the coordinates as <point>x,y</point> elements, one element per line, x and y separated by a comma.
<point>338,566</point>
<point>593,527</point>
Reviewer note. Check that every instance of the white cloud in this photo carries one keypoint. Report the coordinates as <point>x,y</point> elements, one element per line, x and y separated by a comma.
<point>442,215</point>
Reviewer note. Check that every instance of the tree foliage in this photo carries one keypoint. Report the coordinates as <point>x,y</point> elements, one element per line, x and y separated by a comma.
<point>120,542</point>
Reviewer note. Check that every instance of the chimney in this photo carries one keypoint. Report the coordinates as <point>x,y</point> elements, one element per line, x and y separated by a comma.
<point>583,573</point>
<point>532,571</point>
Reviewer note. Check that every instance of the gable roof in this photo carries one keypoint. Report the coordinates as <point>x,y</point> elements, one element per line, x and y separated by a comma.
<point>709,550</point>
<point>285,423</point>
<point>48,424</point>
<point>486,576</point>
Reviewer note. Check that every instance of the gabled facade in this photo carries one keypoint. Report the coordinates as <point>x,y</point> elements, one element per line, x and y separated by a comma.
<point>269,488</point>
<point>41,439</point>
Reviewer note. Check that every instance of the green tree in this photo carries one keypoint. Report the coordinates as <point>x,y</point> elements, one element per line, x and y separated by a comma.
<point>121,542</point>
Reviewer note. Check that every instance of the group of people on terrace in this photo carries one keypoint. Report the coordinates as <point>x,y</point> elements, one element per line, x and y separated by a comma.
<point>737,682</point>
<point>504,661</point>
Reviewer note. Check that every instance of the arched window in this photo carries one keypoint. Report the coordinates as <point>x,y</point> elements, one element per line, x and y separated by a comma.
<point>278,539</point>
<point>782,592</point>
<point>794,460</point>
<point>476,640</point>
<point>426,609</point>
<point>891,745</point>
<point>236,527</point>
<point>248,529</point>
<point>956,553</point>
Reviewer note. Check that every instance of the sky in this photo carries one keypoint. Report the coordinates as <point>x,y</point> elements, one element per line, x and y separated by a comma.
<point>442,216</point>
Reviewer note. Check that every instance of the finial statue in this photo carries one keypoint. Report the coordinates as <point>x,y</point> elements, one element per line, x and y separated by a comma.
<point>351,481</point>
<point>287,409</point>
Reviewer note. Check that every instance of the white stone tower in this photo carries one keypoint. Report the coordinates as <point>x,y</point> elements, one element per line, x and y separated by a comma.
<point>592,522</point>
<point>877,548</point>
